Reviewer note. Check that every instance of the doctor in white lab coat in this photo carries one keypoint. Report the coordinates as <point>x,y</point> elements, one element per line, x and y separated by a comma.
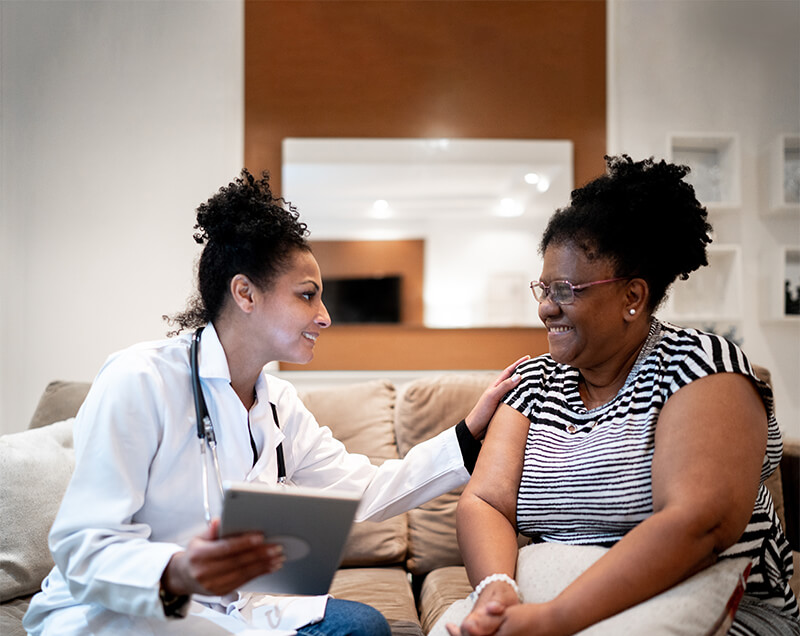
<point>133,547</point>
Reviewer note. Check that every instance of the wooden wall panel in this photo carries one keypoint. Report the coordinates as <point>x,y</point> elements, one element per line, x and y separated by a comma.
<point>384,347</point>
<point>425,68</point>
<point>491,69</point>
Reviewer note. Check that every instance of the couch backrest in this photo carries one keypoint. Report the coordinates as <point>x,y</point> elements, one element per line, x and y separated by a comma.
<point>60,401</point>
<point>361,416</point>
<point>382,421</point>
<point>424,408</point>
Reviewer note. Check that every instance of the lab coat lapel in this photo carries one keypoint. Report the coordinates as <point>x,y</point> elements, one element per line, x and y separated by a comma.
<point>266,468</point>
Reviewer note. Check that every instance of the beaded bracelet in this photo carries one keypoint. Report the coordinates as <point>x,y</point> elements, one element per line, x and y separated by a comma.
<point>491,579</point>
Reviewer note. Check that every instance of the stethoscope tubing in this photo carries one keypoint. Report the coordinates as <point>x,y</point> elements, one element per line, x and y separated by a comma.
<point>205,429</point>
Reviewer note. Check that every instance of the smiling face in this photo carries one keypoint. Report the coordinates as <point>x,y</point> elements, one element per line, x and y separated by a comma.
<point>290,313</point>
<point>586,333</point>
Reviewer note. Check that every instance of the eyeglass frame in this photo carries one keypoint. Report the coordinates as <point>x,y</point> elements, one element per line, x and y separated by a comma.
<point>537,284</point>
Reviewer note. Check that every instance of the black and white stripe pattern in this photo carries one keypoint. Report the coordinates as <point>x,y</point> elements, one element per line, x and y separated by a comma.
<point>587,473</point>
<point>758,618</point>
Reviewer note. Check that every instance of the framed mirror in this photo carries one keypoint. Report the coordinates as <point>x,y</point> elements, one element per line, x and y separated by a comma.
<point>478,206</point>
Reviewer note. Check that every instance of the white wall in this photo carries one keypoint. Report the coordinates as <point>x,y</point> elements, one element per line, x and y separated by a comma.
<point>118,118</point>
<point>719,66</point>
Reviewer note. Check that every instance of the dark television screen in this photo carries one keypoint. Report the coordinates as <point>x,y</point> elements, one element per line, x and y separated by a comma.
<point>362,300</point>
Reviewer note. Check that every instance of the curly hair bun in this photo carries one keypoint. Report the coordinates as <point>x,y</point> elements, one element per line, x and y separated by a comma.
<point>246,209</point>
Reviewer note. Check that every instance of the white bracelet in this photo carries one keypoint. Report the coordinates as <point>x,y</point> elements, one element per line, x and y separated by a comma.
<point>491,579</point>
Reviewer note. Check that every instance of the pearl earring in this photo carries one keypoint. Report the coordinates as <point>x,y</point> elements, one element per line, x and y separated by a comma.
<point>632,311</point>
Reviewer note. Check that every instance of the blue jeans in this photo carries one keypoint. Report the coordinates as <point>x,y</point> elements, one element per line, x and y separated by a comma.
<point>348,618</point>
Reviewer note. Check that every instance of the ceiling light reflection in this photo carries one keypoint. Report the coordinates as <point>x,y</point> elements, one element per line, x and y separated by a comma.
<point>381,210</point>
<point>532,178</point>
<point>509,208</point>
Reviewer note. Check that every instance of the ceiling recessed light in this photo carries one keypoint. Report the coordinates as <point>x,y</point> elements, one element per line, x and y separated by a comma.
<point>531,178</point>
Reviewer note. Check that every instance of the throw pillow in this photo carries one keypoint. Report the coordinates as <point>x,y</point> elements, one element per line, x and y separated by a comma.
<point>60,400</point>
<point>703,604</point>
<point>35,468</point>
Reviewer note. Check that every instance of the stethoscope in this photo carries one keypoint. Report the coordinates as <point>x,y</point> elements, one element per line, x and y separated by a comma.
<point>205,430</point>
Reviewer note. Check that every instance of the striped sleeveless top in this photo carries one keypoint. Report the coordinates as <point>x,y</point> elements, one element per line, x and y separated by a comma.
<point>586,473</point>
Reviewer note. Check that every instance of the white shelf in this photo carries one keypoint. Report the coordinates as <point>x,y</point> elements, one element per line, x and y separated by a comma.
<point>786,290</point>
<point>715,162</point>
<point>712,293</point>
<point>784,174</point>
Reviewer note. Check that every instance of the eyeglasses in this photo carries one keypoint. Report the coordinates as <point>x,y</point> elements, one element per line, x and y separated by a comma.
<point>562,292</point>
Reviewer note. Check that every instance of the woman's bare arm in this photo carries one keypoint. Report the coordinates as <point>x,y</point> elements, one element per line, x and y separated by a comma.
<point>486,513</point>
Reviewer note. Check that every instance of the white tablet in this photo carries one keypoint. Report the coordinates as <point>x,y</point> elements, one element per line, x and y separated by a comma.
<point>312,527</point>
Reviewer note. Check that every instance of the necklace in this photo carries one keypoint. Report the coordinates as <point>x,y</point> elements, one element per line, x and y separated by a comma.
<point>653,338</point>
<point>650,342</point>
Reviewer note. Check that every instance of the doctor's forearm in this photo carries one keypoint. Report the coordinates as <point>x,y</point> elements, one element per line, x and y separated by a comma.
<point>430,469</point>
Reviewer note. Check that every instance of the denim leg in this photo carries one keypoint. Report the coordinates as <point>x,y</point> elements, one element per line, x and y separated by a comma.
<point>348,618</point>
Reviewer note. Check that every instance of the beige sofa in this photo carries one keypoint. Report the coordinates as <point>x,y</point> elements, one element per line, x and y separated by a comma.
<point>408,567</point>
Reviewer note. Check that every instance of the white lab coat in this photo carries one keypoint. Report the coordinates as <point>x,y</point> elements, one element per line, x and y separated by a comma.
<point>136,496</point>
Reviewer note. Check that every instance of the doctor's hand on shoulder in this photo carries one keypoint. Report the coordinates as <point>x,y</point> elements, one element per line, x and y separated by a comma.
<point>217,566</point>
<point>478,419</point>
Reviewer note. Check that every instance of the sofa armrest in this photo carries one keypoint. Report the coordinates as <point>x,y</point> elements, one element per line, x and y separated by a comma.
<point>790,476</point>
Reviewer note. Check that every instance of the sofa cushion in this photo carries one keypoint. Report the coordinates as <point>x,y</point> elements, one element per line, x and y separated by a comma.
<point>429,405</point>
<point>440,589</point>
<point>386,589</point>
<point>11,614</point>
<point>424,408</point>
<point>432,541</point>
<point>35,468</point>
<point>59,401</point>
<point>361,416</point>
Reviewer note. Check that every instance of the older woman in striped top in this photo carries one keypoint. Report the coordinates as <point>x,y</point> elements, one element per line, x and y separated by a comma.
<point>634,434</point>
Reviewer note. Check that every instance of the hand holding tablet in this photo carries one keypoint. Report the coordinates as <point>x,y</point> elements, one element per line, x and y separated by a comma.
<point>311,525</point>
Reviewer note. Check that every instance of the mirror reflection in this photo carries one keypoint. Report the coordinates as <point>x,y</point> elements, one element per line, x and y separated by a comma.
<point>477,207</point>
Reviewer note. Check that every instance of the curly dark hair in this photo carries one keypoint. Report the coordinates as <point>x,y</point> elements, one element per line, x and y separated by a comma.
<point>246,230</point>
<point>642,217</point>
